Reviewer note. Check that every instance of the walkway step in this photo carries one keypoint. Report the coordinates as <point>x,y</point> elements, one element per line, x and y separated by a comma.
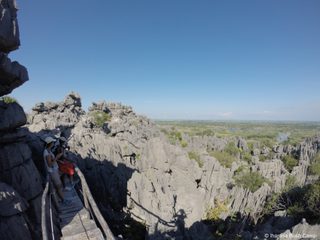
<point>76,228</point>
<point>94,234</point>
<point>72,208</point>
<point>72,217</point>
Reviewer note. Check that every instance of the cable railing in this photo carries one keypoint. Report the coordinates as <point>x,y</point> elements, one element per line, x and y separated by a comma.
<point>47,195</point>
<point>43,210</point>
<point>89,204</point>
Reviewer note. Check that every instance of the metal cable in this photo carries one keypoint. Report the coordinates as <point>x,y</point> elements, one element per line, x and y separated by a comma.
<point>51,219</point>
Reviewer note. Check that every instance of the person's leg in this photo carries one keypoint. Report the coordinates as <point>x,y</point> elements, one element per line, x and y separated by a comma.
<point>55,177</point>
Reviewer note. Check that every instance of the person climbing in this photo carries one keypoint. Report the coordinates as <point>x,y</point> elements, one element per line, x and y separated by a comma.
<point>66,167</point>
<point>50,161</point>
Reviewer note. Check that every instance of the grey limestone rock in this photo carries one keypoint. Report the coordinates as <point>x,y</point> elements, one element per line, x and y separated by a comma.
<point>10,201</point>
<point>273,170</point>
<point>256,152</point>
<point>12,74</point>
<point>49,115</point>
<point>265,150</point>
<point>17,135</point>
<point>13,223</point>
<point>13,155</point>
<point>301,231</point>
<point>100,106</point>
<point>45,107</point>
<point>72,100</point>
<point>242,144</point>
<point>9,30</point>
<point>12,116</point>
<point>244,201</point>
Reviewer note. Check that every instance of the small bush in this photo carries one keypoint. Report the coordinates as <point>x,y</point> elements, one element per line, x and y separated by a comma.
<point>174,137</point>
<point>196,157</point>
<point>295,210</point>
<point>184,144</point>
<point>251,146</point>
<point>271,205</point>
<point>263,158</point>
<point>314,168</point>
<point>312,199</point>
<point>289,162</point>
<point>8,99</point>
<point>207,132</point>
<point>232,149</point>
<point>291,182</point>
<point>268,142</point>
<point>246,156</point>
<point>225,159</point>
<point>251,180</point>
<point>240,170</point>
<point>100,117</point>
<point>213,213</point>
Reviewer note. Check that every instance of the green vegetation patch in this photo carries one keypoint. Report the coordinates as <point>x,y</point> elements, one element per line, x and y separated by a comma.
<point>312,199</point>
<point>295,210</point>
<point>213,213</point>
<point>246,156</point>
<point>291,182</point>
<point>299,202</point>
<point>250,180</point>
<point>196,157</point>
<point>253,131</point>
<point>224,158</point>
<point>100,117</point>
<point>289,162</point>
<point>8,99</point>
<point>232,149</point>
<point>174,136</point>
<point>183,144</point>
<point>314,168</point>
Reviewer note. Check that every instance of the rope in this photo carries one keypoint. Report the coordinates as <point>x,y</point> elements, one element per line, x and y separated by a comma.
<point>51,221</point>
<point>88,197</point>
<point>43,211</point>
<point>86,232</point>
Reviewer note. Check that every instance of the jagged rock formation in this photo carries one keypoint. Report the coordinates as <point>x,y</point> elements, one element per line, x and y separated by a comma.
<point>12,74</point>
<point>52,115</point>
<point>132,168</point>
<point>20,182</point>
<point>12,212</point>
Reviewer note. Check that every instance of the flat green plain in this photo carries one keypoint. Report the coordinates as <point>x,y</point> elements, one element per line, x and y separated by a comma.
<point>267,132</point>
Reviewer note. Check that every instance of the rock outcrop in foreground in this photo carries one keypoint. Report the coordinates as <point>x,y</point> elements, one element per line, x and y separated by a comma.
<point>20,182</point>
<point>134,171</point>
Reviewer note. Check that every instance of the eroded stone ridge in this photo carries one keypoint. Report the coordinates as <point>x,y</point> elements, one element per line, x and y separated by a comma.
<point>12,74</point>
<point>9,30</point>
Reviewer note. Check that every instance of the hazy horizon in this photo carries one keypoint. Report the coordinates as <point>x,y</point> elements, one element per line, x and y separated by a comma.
<point>187,60</point>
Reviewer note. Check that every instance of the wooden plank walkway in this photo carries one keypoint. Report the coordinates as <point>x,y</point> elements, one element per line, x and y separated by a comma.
<point>75,222</point>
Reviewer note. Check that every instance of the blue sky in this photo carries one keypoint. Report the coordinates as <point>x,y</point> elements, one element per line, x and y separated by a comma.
<point>175,59</point>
